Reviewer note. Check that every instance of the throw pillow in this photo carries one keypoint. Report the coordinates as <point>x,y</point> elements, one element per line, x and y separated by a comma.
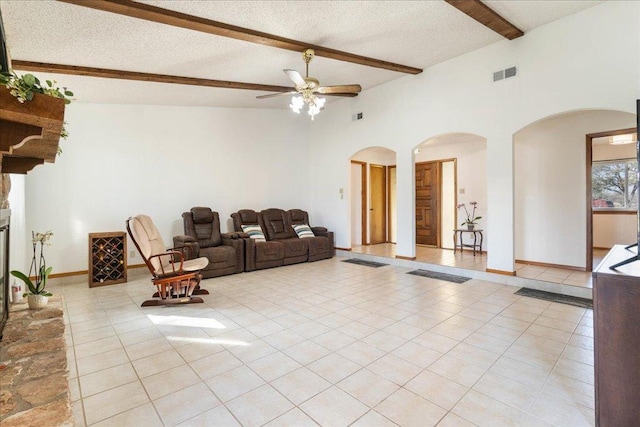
<point>303,231</point>
<point>255,232</point>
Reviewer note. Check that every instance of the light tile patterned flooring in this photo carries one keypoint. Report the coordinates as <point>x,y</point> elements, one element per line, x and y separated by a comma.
<point>328,343</point>
<point>466,259</point>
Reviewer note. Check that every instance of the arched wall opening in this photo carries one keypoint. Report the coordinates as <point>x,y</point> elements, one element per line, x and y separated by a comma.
<point>552,193</point>
<point>457,164</point>
<point>372,196</point>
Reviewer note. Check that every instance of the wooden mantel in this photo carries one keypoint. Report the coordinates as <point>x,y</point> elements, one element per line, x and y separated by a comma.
<point>30,131</point>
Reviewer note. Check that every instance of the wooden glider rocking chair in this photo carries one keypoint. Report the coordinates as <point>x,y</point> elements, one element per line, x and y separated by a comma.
<point>176,280</point>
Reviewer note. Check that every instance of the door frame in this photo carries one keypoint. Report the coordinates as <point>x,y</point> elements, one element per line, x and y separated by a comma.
<point>455,191</point>
<point>440,235</point>
<point>438,201</point>
<point>589,163</point>
<point>390,214</point>
<point>364,196</point>
<point>384,201</point>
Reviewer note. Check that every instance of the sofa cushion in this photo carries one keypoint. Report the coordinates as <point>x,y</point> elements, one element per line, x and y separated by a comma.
<point>203,224</point>
<point>303,231</point>
<point>254,231</point>
<point>223,256</point>
<point>276,224</point>
<point>269,251</point>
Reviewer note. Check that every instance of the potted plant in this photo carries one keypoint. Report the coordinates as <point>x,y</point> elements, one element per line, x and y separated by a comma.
<point>37,297</point>
<point>470,220</point>
<point>26,86</point>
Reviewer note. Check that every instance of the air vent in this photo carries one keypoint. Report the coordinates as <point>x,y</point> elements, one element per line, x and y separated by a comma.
<point>505,74</point>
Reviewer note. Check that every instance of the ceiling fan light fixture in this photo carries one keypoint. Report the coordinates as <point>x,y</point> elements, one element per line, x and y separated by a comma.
<point>315,105</point>
<point>296,104</point>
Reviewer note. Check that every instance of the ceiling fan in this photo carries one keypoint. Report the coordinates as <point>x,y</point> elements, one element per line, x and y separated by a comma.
<point>307,88</point>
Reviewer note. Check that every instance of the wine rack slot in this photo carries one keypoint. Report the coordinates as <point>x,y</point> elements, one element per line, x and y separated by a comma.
<point>107,258</point>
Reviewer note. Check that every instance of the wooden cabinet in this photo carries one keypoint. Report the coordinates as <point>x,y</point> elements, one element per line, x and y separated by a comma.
<point>107,258</point>
<point>616,304</point>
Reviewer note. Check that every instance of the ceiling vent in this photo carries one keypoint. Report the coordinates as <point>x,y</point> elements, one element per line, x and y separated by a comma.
<point>505,74</point>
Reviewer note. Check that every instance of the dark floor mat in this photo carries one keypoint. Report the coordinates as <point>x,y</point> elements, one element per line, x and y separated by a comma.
<point>365,263</point>
<point>441,276</point>
<point>550,296</point>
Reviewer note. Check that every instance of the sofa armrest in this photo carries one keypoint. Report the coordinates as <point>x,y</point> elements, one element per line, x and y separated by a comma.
<point>233,235</point>
<point>242,235</point>
<point>320,231</point>
<point>188,244</point>
<point>238,244</point>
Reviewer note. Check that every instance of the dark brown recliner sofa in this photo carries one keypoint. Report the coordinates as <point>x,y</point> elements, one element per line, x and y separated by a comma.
<point>258,254</point>
<point>277,226</point>
<point>225,251</point>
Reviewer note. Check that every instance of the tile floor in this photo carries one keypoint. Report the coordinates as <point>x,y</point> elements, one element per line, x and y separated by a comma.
<point>328,343</point>
<point>467,260</point>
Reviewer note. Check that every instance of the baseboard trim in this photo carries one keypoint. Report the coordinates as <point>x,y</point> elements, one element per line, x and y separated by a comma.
<point>343,249</point>
<point>408,258</point>
<point>503,272</point>
<point>69,274</point>
<point>545,264</point>
<point>81,272</point>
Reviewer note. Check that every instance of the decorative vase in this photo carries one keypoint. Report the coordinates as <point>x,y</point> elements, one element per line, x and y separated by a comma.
<point>36,302</point>
<point>470,226</point>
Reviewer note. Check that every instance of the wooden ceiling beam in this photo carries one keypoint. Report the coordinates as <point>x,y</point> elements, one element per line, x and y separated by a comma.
<point>190,22</point>
<point>487,17</point>
<point>147,77</point>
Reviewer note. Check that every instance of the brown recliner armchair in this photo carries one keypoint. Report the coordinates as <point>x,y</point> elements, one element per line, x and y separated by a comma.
<point>321,246</point>
<point>258,253</point>
<point>225,251</point>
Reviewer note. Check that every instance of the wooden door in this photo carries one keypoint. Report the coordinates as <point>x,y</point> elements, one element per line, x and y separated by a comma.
<point>378,208</point>
<point>427,188</point>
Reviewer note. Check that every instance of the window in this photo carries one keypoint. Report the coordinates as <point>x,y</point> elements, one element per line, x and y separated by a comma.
<point>614,184</point>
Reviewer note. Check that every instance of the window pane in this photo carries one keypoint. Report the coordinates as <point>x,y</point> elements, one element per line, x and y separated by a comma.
<point>633,185</point>
<point>609,185</point>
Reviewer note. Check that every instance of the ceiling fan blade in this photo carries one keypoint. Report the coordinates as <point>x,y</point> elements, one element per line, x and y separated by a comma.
<point>339,89</point>
<point>348,95</point>
<point>271,95</point>
<point>295,77</point>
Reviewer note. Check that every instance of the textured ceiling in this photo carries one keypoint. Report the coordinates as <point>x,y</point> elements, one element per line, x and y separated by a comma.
<point>414,33</point>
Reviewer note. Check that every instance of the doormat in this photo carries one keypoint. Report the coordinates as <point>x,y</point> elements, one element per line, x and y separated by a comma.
<point>365,263</point>
<point>551,296</point>
<point>440,276</point>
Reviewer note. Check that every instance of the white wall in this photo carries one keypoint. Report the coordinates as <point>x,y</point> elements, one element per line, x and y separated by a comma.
<point>448,209</point>
<point>19,241</point>
<point>609,230</point>
<point>557,73</point>
<point>356,203</point>
<point>123,160</point>
<point>551,200</point>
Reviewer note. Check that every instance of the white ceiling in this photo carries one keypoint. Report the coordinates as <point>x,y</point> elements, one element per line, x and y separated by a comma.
<point>414,33</point>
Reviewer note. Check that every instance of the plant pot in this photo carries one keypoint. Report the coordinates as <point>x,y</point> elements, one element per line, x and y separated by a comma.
<point>470,226</point>
<point>36,302</point>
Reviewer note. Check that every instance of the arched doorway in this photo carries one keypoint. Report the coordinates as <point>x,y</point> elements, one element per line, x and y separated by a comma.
<point>372,196</point>
<point>450,170</point>
<point>554,221</point>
